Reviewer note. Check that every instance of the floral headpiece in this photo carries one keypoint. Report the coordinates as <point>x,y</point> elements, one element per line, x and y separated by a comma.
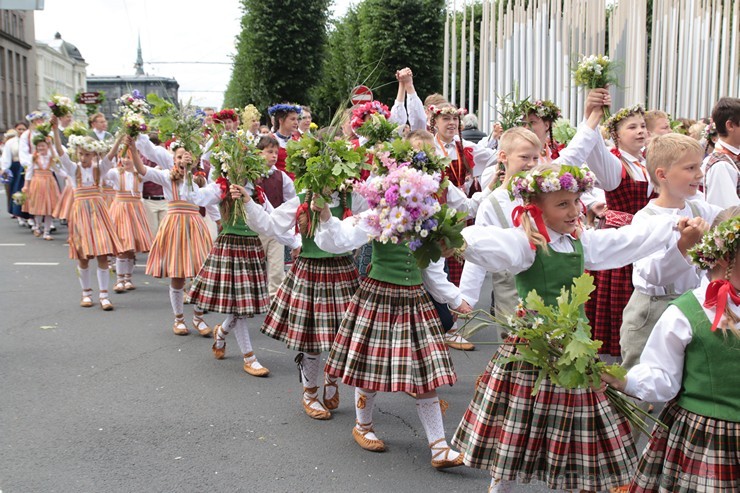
<point>361,112</point>
<point>284,108</point>
<point>223,115</point>
<point>250,114</point>
<point>710,131</point>
<point>35,115</point>
<point>448,110</point>
<point>38,138</point>
<point>611,123</point>
<point>545,109</point>
<point>528,184</point>
<point>87,143</point>
<point>716,244</point>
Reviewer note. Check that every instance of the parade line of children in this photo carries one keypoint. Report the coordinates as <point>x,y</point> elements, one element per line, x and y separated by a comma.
<point>663,257</point>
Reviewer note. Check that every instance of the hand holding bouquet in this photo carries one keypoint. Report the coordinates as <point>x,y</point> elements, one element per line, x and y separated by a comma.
<point>61,106</point>
<point>595,72</point>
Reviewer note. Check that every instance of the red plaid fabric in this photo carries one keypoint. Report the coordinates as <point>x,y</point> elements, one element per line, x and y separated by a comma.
<point>695,453</point>
<point>391,340</point>
<point>614,287</point>
<point>233,278</point>
<point>454,270</point>
<point>568,439</point>
<point>311,302</point>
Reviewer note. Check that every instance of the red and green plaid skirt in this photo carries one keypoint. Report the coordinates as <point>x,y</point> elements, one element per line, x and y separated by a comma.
<point>695,453</point>
<point>391,340</point>
<point>311,302</point>
<point>604,308</point>
<point>568,439</point>
<point>232,279</point>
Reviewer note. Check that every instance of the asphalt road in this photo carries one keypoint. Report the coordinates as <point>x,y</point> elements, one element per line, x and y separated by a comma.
<point>95,401</point>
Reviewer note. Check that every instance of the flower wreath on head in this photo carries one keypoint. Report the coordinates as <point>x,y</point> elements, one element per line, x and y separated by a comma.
<point>543,108</point>
<point>250,113</point>
<point>225,114</point>
<point>284,108</point>
<point>709,131</point>
<point>611,123</point>
<point>528,184</point>
<point>38,138</point>
<point>87,143</point>
<point>35,115</point>
<point>716,244</point>
<point>448,110</point>
<point>362,111</point>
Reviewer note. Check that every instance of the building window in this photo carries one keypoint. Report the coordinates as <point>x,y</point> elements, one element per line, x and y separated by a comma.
<point>21,31</point>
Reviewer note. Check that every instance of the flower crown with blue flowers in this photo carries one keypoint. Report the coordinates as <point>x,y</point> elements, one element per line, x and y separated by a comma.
<point>285,108</point>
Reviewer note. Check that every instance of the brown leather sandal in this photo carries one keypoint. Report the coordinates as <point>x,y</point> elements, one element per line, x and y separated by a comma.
<point>360,435</point>
<point>444,463</point>
<point>218,353</point>
<point>332,403</point>
<point>255,372</point>
<point>308,401</point>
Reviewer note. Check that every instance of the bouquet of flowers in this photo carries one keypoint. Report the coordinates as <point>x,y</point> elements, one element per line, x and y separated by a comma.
<point>184,125</point>
<point>235,161</point>
<point>6,177</point>
<point>133,124</point>
<point>556,341</point>
<point>370,120</point>
<point>61,106</point>
<point>425,159</point>
<point>323,167</point>
<point>595,72</point>
<point>76,128</point>
<point>405,209</point>
<point>132,103</point>
<point>563,132</point>
<point>19,198</point>
<point>511,109</point>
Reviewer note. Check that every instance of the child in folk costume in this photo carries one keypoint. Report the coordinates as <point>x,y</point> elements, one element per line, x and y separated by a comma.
<point>285,117</point>
<point>570,439</point>
<point>539,116</point>
<point>182,242</point>
<point>622,175</point>
<point>314,296</point>
<point>391,338</point>
<point>722,167</point>
<point>128,216</point>
<point>674,165</point>
<point>91,232</point>
<point>41,186</point>
<point>691,361</point>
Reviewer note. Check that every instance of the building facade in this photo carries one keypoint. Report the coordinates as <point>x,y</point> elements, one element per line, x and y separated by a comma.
<point>18,93</point>
<point>61,69</point>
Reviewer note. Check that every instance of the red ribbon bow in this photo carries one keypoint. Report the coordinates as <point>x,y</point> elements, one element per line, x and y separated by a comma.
<point>223,184</point>
<point>536,213</point>
<point>302,209</point>
<point>260,194</point>
<point>717,293</point>
<point>615,151</point>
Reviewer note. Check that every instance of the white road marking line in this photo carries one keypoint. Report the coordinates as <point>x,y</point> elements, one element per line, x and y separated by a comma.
<point>36,263</point>
<point>12,244</point>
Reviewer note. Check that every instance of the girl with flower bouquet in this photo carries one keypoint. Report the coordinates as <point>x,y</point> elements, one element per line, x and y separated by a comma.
<point>233,279</point>
<point>391,338</point>
<point>506,429</point>
<point>182,241</point>
<point>127,213</point>
<point>91,232</point>
<point>41,186</point>
<point>690,361</point>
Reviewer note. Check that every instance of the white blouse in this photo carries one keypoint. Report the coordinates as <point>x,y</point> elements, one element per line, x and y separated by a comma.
<point>86,174</point>
<point>162,177</point>
<point>113,177</point>
<point>608,168</point>
<point>720,182</point>
<point>44,163</point>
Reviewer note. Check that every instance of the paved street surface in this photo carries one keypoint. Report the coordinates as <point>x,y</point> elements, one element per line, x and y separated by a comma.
<point>95,401</point>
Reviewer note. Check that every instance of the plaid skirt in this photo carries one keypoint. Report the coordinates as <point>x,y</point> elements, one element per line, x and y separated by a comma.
<point>182,243</point>
<point>391,340</point>
<point>91,232</point>
<point>129,220</point>
<point>454,270</point>
<point>569,439</point>
<point>43,193</point>
<point>604,309</point>
<point>233,278</point>
<point>695,453</point>
<point>311,302</point>
<point>63,210</point>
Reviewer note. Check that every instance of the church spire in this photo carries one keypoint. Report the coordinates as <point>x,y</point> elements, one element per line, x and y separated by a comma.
<point>139,65</point>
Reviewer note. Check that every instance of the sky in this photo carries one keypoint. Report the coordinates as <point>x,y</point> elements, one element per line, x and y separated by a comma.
<point>105,32</point>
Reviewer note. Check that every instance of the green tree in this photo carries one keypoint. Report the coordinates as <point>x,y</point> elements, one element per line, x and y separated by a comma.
<point>279,52</point>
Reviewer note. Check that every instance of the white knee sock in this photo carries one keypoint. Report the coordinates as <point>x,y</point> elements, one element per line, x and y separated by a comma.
<point>120,268</point>
<point>500,485</point>
<point>103,278</point>
<point>309,367</point>
<point>176,299</point>
<point>39,222</point>
<point>84,278</point>
<point>245,343</point>
<point>48,221</point>
<point>364,403</point>
<point>224,330</point>
<point>329,390</point>
<point>430,415</point>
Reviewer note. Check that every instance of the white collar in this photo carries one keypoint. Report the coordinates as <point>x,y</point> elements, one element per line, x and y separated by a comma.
<point>556,237</point>
<point>629,157</point>
<point>727,146</point>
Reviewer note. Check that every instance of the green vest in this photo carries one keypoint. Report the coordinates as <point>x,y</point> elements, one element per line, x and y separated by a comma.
<point>238,227</point>
<point>394,264</point>
<point>309,249</point>
<point>550,272</point>
<point>711,381</point>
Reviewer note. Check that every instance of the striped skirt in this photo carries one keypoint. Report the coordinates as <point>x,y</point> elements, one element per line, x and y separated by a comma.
<point>695,453</point>
<point>391,340</point>
<point>233,278</point>
<point>311,302</point>
<point>91,232</point>
<point>129,220</point>
<point>43,193</point>
<point>568,439</point>
<point>182,243</point>
<point>109,195</point>
<point>63,210</point>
